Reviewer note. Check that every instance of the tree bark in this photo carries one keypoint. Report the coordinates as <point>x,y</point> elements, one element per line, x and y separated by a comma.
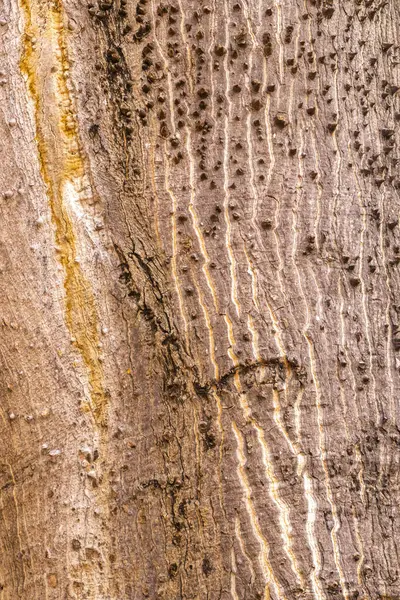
<point>199,267</point>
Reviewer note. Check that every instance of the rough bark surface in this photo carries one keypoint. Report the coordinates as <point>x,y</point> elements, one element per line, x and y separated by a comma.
<point>199,313</point>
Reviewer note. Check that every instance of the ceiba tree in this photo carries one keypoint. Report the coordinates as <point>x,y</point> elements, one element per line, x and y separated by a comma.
<point>199,266</point>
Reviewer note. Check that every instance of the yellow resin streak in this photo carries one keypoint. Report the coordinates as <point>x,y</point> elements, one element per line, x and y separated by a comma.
<point>45,65</point>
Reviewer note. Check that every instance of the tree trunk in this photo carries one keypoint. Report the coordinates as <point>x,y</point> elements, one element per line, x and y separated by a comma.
<point>199,269</point>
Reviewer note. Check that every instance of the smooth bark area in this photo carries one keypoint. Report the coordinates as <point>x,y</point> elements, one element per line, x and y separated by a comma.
<point>199,309</point>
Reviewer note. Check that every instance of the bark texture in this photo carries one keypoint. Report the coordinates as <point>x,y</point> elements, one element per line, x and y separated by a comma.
<point>199,313</point>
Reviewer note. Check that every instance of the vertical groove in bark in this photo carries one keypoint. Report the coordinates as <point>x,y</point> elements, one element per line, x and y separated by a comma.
<point>45,64</point>
<point>215,279</point>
